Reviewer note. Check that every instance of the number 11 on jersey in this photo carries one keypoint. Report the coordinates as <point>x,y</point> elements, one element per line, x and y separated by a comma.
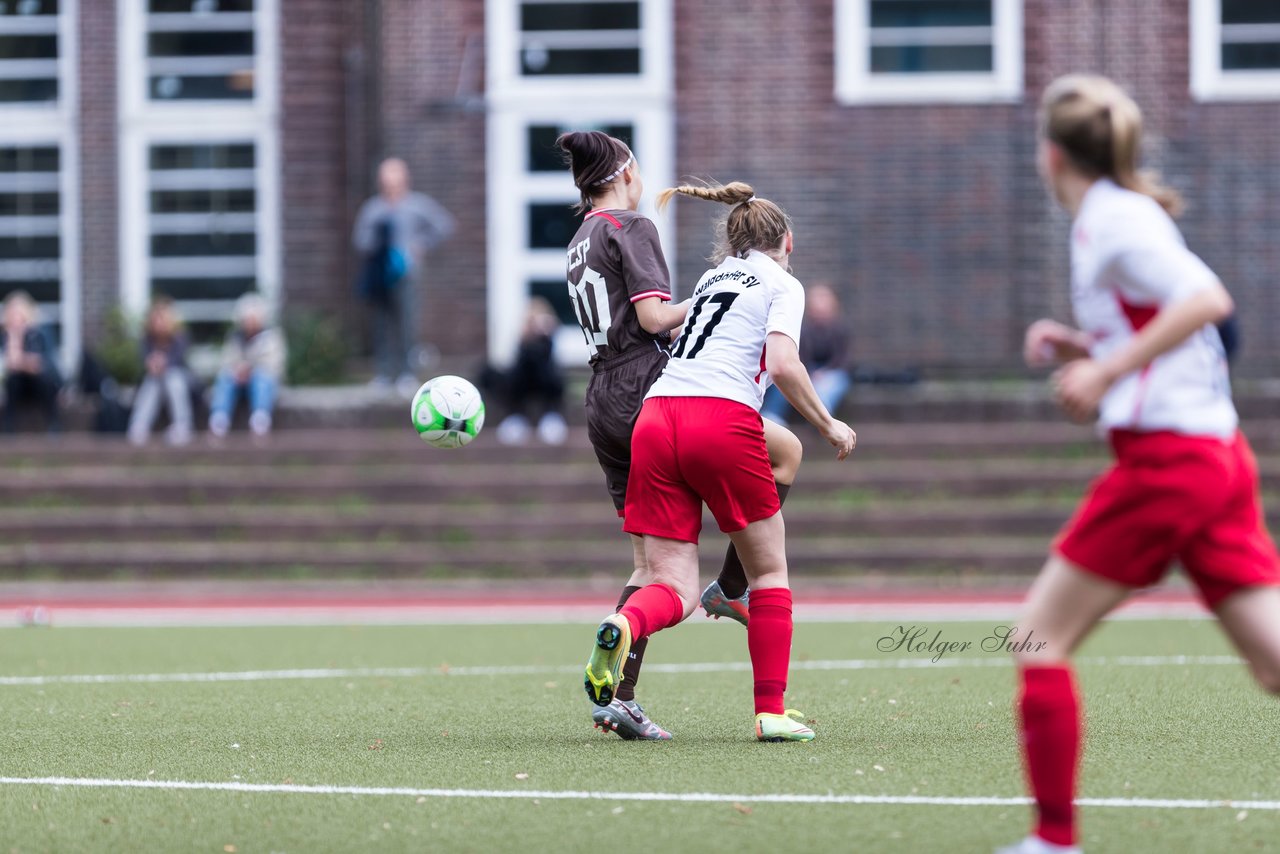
<point>593,313</point>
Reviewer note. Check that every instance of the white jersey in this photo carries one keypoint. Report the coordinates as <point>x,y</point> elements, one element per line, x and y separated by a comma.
<point>1128,261</point>
<point>720,351</point>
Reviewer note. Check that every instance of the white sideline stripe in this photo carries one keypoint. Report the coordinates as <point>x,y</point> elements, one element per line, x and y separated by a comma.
<point>500,614</point>
<point>683,797</point>
<point>996,660</point>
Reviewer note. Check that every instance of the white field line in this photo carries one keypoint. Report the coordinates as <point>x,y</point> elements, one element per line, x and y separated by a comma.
<point>996,660</point>
<point>549,614</point>
<point>681,797</point>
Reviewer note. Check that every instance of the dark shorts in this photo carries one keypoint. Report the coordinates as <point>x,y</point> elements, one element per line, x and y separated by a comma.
<point>615,394</point>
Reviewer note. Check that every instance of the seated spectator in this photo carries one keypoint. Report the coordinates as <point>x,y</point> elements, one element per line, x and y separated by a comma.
<point>532,389</point>
<point>165,373</point>
<point>30,367</point>
<point>824,349</point>
<point>252,362</point>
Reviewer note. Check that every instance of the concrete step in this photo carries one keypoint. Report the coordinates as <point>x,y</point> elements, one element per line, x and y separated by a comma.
<point>853,483</point>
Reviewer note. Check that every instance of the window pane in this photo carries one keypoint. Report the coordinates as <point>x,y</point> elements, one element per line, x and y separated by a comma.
<point>201,6</point>
<point>586,61</point>
<point>202,201</point>
<point>556,292</point>
<point>914,59</point>
<point>545,157</point>
<point>1251,57</point>
<point>1250,12</point>
<point>202,157</point>
<point>209,243</point>
<point>29,247</point>
<point>551,226</point>
<point>27,8</point>
<point>41,290</point>
<point>28,47</point>
<point>211,43</point>
<point>221,88</point>
<point>28,159</point>
<point>580,16</point>
<point>205,288</point>
<point>28,204</point>
<point>930,13</point>
<point>28,91</point>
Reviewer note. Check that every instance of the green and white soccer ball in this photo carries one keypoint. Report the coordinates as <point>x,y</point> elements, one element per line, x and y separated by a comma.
<point>447,412</point>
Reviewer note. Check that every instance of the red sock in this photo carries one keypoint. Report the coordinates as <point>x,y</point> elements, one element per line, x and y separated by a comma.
<point>652,608</point>
<point>769,640</point>
<point>1050,714</point>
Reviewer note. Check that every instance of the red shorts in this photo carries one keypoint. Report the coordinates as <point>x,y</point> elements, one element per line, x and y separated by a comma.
<point>1169,496</point>
<point>687,450</point>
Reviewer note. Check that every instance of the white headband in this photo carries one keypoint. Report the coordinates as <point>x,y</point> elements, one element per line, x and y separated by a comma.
<point>623,168</point>
<point>750,200</point>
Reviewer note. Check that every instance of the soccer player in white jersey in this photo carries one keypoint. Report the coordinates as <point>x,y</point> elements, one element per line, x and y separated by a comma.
<point>699,438</point>
<point>1147,362</point>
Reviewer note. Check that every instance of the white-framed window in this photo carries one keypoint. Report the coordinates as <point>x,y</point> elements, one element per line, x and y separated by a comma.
<point>555,66</point>
<point>199,156</point>
<point>531,230</point>
<point>592,47</point>
<point>1235,50</point>
<point>39,165</point>
<point>928,51</point>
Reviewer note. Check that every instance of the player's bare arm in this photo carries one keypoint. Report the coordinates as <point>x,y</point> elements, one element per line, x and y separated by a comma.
<point>1050,343</point>
<point>1080,385</point>
<point>782,361</point>
<point>657,316</point>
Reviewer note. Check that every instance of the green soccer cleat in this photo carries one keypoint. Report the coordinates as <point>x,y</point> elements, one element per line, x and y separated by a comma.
<point>782,727</point>
<point>604,668</point>
<point>717,605</point>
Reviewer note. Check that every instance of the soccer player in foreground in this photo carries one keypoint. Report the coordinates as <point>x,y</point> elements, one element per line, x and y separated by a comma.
<point>699,438</point>
<point>1148,363</point>
<point>621,293</point>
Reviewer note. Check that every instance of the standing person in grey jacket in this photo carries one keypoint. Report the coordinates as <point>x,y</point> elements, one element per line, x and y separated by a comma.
<point>394,231</point>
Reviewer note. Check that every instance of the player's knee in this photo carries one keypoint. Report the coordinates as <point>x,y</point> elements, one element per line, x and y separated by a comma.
<point>786,453</point>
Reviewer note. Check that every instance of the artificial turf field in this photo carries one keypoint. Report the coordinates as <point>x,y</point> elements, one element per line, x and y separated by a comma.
<point>481,724</point>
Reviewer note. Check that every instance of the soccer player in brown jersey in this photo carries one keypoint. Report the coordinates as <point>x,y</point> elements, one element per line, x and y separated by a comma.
<point>621,293</point>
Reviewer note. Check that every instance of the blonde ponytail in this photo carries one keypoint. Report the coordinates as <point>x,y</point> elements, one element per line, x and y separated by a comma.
<point>752,224</point>
<point>733,193</point>
<point>1099,127</point>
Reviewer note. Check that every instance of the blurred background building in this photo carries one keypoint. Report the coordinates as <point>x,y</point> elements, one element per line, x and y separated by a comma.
<point>204,148</point>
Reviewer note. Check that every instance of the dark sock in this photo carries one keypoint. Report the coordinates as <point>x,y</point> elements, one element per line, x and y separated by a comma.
<point>631,668</point>
<point>733,578</point>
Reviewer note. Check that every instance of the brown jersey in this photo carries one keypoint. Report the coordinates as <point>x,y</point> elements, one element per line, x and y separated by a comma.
<point>615,260</point>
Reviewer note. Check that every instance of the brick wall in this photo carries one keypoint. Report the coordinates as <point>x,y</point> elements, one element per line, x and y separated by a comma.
<point>316,130</point>
<point>930,220</point>
<point>99,161</point>
<point>430,89</point>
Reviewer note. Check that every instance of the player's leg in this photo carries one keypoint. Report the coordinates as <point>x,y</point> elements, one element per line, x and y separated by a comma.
<point>662,508</point>
<point>762,545</point>
<point>1234,563</point>
<point>727,596</point>
<point>1251,618</point>
<point>1063,606</point>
